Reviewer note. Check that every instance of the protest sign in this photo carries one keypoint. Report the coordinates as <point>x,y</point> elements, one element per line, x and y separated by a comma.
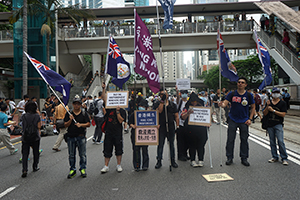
<point>200,116</point>
<point>183,84</point>
<point>114,99</point>
<point>146,117</point>
<point>146,135</point>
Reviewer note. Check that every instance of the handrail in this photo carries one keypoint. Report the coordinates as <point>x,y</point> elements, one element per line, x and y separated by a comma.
<point>280,28</point>
<point>179,28</point>
<point>274,42</point>
<point>6,35</point>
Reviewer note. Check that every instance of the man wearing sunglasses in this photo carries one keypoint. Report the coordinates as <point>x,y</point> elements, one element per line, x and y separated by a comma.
<point>239,117</point>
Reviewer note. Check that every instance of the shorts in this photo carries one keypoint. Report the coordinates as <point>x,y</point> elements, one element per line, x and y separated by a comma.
<point>110,141</point>
<point>257,108</point>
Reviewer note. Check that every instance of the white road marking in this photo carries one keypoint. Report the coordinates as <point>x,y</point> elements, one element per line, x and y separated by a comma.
<point>8,191</point>
<point>90,138</point>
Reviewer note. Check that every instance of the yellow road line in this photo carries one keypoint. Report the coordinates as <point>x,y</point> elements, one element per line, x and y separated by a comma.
<point>13,144</point>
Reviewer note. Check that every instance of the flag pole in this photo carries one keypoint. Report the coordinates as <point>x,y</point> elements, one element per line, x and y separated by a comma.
<point>163,77</point>
<point>220,126</point>
<point>52,89</point>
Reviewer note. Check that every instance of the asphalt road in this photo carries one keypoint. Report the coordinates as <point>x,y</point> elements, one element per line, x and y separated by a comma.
<point>262,180</point>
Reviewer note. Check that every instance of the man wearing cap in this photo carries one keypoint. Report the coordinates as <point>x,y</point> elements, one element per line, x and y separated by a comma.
<point>77,123</point>
<point>167,127</point>
<point>139,99</point>
<point>276,110</point>
<point>240,101</point>
<point>99,118</point>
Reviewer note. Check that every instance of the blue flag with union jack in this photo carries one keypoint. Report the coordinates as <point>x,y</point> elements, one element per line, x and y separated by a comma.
<point>116,65</point>
<point>265,61</point>
<point>52,78</point>
<point>228,70</point>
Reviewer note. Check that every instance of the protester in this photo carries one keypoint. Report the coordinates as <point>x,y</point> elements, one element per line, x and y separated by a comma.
<point>31,123</point>
<point>276,110</point>
<point>99,118</point>
<point>197,134</point>
<point>240,101</point>
<point>181,137</point>
<point>138,162</point>
<point>257,100</point>
<point>264,98</point>
<point>286,38</point>
<point>48,107</point>
<point>286,97</point>
<point>59,125</point>
<point>164,132</point>
<point>262,22</point>
<point>139,99</point>
<point>11,109</point>
<point>21,104</point>
<point>76,137</point>
<point>113,136</point>
<point>219,111</point>
<point>84,92</point>
<point>4,135</point>
<point>210,99</point>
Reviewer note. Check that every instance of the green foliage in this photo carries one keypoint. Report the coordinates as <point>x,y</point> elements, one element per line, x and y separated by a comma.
<point>132,78</point>
<point>229,20</point>
<point>5,8</point>
<point>250,68</point>
<point>88,59</point>
<point>9,85</point>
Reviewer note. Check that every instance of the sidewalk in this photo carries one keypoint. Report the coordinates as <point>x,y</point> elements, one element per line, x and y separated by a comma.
<point>293,112</point>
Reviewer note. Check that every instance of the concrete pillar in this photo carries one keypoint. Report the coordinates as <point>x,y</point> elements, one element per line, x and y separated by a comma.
<point>96,63</point>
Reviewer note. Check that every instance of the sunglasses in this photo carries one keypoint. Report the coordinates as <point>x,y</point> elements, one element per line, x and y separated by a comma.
<point>241,82</point>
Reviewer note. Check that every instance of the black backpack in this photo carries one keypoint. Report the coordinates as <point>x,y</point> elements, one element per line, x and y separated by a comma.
<point>93,109</point>
<point>30,131</point>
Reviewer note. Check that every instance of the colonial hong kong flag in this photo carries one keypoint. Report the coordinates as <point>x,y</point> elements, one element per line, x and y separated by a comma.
<point>168,6</point>
<point>228,70</point>
<point>52,78</point>
<point>265,61</point>
<point>116,65</point>
<point>144,60</point>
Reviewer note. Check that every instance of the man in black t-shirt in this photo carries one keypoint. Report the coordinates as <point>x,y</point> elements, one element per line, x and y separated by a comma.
<point>76,136</point>
<point>172,115</point>
<point>113,137</point>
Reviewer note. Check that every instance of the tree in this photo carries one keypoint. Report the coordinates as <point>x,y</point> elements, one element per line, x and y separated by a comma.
<point>250,68</point>
<point>47,9</point>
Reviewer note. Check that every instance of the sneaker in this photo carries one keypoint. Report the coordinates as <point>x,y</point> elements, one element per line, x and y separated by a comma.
<point>194,164</point>
<point>72,174</point>
<point>40,151</point>
<point>94,140</point>
<point>119,168</point>
<point>98,143</point>
<point>104,169</point>
<point>83,173</point>
<point>15,151</point>
<point>285,162</point>
<point>101,142</point>
<point>272,160</point>
<point>201,163</point>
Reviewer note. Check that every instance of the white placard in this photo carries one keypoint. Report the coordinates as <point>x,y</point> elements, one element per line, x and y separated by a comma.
<point>114,99</point>
<point>200,116</point>
<point>183,84</point>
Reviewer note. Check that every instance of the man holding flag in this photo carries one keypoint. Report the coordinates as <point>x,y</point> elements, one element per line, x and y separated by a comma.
<point>116,65</point>
<point>265,61</point>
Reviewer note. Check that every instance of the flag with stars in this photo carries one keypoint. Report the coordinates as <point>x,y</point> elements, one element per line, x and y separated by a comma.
<point>116,65</point>
<point>228,70</point>
<point>52,78</point>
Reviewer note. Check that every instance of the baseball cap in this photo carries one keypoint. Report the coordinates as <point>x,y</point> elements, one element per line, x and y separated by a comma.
<point>77,99</point>
<point>139,94</point>
<point>275,89</point>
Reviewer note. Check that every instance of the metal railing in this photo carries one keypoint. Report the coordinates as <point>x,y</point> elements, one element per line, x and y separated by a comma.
<point>179,28</point>
<point>280,28</point>
<point>286,53</point>
<point>6,35</point>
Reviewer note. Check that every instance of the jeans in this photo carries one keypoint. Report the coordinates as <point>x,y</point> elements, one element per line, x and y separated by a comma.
<point>98,131</point>
<point>163,134</point>
<point>231,134</point>
<point>80,142</point>
<point>277,132</point>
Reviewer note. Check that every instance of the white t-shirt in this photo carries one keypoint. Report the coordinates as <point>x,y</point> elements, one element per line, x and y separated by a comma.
<point>99,106</point>
<point>87,103</point>
<point>21,104</point>
<point>9,111</point>
<point>264,98</point>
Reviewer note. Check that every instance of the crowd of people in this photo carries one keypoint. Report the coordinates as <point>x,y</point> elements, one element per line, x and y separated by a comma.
<point>236,108</point>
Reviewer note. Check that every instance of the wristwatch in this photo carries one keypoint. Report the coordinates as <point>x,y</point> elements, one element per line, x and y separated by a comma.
<point>274,111</point>
<point>118,112</point>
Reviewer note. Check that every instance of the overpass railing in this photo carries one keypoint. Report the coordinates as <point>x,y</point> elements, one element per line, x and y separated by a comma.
<point>178,28</point>
<point>6,35</point>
